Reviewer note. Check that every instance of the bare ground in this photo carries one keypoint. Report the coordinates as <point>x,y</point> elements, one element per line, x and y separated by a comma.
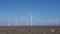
<point>29,30</point>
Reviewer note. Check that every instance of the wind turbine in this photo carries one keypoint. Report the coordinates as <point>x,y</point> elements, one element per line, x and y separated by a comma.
<point>16,22</point>
<point>31,20</point>
<point>8,22</point>
<point>27,22</point>
<point>57,21</point>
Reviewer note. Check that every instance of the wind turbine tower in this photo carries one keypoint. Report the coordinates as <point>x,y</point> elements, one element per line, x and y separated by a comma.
<point>8,22</point>
<point>16,22</point>
<point>27,22</point>
<point>57,21</point>
<point>31,20</point>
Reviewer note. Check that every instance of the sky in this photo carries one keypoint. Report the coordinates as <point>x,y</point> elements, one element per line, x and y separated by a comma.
<point>45,12</point>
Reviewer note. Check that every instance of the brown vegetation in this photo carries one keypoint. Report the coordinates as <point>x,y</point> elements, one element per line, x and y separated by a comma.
<point>29,30</point>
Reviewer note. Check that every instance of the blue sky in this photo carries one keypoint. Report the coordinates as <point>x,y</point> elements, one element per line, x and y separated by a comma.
<point>43,11</point>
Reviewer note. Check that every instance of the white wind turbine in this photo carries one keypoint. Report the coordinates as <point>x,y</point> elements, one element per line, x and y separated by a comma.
<point>16,24</point>
<point>27,22</point>
<point>57,21</point>
<point>31,20</point>
<point>8,22</point>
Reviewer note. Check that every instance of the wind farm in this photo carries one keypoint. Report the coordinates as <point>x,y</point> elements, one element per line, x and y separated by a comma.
<point>29,28</point>
<point>29,16</point>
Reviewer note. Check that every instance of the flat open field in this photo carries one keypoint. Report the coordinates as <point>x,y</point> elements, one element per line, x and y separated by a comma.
<point>29,30</point>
